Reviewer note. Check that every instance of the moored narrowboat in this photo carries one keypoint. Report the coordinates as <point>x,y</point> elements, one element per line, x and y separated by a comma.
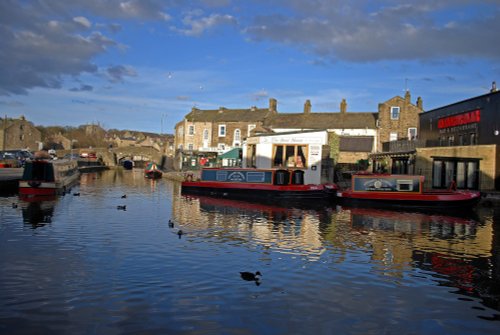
<point>152,171</point>
<point>403,191</point>
<point>48,177</point>
<point>241,183</point>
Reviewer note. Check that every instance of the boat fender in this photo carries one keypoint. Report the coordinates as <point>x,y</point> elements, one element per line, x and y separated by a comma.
<point>189,177</point>
<point>34,183</point>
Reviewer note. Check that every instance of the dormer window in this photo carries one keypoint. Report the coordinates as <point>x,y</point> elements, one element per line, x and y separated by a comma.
<point>395,113</point>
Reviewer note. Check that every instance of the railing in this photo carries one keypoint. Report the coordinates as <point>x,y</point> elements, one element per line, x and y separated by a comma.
<point>403,145</point>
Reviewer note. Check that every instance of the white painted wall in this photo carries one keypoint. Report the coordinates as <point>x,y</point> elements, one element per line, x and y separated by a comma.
<point>314,140</point>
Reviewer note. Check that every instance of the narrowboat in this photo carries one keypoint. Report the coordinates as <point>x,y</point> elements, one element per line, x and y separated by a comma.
<point>128,164</point>
<point>403,191</point>
<point>48,177</point>
<point>260,184</point>
<point>152,171</point>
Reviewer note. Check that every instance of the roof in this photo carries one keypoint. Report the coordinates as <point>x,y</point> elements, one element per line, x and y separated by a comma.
<point>228,115</point>
<point>353,120</point>
<point>231,154</point>
<point>356,143</point>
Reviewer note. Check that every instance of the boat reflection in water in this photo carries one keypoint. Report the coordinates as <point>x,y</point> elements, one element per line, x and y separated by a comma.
<point>288,230</point>
<point>37,210</point>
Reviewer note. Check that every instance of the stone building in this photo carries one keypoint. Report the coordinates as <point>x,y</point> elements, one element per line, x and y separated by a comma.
<point>19,134</point>
<point>355,135</point>
<point>206,133</point>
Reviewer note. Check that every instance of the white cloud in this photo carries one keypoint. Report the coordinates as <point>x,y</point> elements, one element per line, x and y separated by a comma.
<point>83,21</point>
<point>196,26</point>
<point>362,31</point>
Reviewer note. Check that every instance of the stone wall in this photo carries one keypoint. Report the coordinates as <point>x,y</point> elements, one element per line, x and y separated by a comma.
<point>488,164</point>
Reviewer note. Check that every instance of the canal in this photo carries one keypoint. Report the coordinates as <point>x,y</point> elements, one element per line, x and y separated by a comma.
<point>107,261</point>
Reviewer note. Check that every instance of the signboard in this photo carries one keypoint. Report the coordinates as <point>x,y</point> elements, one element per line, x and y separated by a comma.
<point>237,176</point>
<point>387,184</point>
<point>460,119</point>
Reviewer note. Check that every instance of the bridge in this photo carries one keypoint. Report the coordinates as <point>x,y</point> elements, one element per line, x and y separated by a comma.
<point>115,156</point>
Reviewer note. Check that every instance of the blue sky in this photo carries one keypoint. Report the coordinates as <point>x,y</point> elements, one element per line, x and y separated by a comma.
<point>144,64</point>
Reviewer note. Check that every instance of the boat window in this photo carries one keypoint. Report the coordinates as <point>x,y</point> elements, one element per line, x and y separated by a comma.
<point>405,185</point>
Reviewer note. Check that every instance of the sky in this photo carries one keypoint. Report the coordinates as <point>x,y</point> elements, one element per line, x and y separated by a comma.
<point>144,64</point>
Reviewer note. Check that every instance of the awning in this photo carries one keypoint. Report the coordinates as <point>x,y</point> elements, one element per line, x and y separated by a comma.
<point>231,154</point>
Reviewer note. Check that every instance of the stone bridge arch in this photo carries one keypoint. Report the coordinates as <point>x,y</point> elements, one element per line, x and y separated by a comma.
<point>137,154</point>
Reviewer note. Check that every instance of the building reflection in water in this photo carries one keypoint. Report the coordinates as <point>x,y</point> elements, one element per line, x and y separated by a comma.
<point>287,230</point>
<point>458,252</point>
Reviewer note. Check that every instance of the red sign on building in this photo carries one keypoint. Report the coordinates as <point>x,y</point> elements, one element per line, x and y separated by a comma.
<point>460,119</point>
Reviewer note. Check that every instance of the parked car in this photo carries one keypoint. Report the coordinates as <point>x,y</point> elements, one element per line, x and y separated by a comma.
<point>71,156</point>
<point>19,155</point>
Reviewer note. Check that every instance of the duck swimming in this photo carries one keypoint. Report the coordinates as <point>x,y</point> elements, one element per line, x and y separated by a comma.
<point>250,276</point>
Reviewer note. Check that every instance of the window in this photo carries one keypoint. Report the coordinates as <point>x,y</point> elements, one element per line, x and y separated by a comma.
<point>473,139</point>
<point>393,136</point>
<point>451,140</point>
<point>222,130</point>
<point>190,146</point>
<point>180,131</point>
<point>252,155</point>
<point>465,172</point>
<point>289,156</point>
<point>237,138</point>
<point>205,134</point>
<point>191,130</point>
<point>412,134</point>
<point>395,113</point>
<point>250,128</point>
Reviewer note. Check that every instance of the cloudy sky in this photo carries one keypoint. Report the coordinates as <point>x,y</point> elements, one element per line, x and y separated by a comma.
<point>143,64</point>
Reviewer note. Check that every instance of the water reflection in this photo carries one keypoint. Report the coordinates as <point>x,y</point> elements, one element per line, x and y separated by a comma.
<point>97,269</point>
<point>37,211</point>
<point>453,251</point>
<point>289,230</point>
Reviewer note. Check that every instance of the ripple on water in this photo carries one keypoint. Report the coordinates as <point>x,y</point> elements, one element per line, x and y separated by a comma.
<point>96,269</point>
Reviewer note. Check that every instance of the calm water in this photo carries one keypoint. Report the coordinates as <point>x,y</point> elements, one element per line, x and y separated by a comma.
<point>80,265</point>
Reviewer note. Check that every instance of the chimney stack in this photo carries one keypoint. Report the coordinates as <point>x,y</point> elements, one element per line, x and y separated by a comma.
<point>273,105</point>
<point>307,107</point>
<point>420,103</point>
<point>493,87</point>
<point>343,107</point>
<point>407,96</point>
